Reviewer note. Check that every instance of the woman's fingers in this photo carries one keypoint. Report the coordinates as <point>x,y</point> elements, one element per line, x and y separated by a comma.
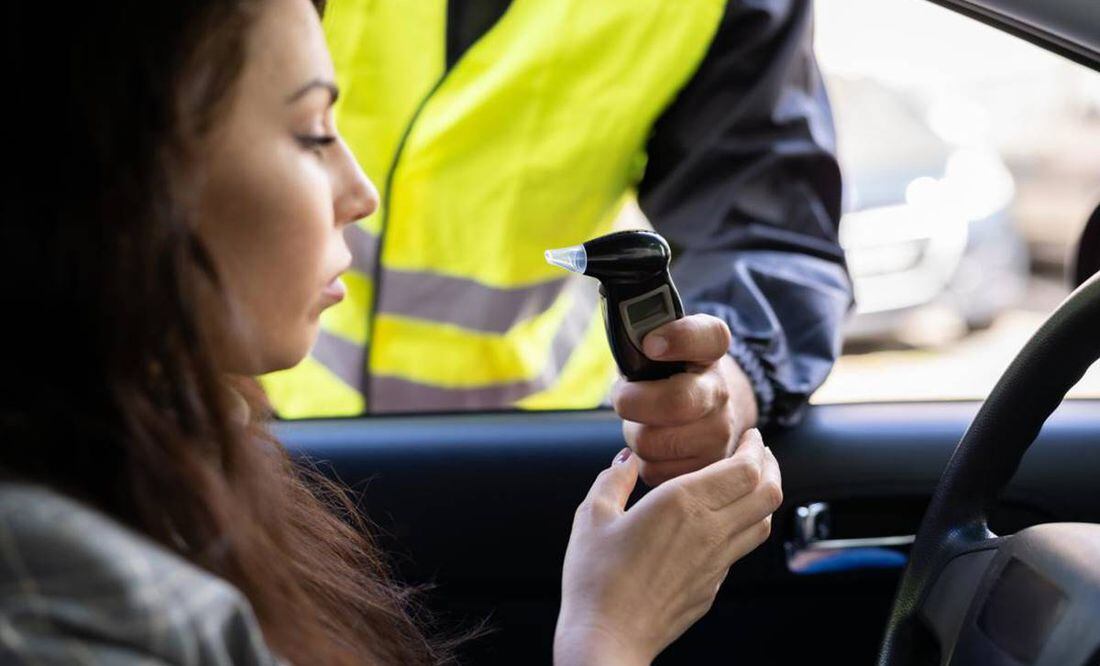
<point>736,497</point>
<point>757,505</point>
<point>646,574</point>
<point>611,489</point>
<point>722,483</point>
<point>748,540</point>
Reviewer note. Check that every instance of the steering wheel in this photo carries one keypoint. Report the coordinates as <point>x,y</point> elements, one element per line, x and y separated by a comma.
<point>969,596</point>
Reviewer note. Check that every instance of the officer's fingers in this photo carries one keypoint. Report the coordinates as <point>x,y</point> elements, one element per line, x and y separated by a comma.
<point>656,473</point>
<point>708,439</point>
<point>677,400</point>
<point>696,339</point>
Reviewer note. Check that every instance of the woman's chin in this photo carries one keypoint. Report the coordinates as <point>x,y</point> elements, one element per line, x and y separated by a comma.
<point>292,356</point>
<point>285,355</point>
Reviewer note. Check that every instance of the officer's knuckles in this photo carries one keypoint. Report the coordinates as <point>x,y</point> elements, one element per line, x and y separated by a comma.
<point>722,430</point>
<point>691,400</point>
<point>656,444</point>
<point>627,400</point>
<point>709,444</point>
<point>719,388</point>
<point>655,472</point>
<point>631,430</point>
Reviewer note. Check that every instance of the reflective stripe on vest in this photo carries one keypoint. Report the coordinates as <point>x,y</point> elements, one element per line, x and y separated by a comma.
<point>534,139</point>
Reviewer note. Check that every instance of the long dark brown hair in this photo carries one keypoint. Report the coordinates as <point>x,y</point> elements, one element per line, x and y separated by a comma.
<point>110,390</point>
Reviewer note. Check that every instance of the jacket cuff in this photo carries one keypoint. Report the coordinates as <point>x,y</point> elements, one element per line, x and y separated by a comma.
<point>762,387</point>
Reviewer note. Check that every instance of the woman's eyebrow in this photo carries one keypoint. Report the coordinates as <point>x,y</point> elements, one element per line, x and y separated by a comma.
<point>316,83</point>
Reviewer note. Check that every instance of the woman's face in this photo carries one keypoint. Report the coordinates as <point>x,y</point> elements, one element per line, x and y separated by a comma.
<point>278,186</point>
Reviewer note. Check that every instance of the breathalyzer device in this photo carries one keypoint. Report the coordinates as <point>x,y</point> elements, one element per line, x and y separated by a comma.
<point>636,293</point>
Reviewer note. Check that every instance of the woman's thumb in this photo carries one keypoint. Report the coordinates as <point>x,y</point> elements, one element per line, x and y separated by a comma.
<point>615,483</point>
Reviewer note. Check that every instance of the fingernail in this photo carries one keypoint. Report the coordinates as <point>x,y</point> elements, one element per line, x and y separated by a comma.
<point>623,456</point>
<point>655,346</point>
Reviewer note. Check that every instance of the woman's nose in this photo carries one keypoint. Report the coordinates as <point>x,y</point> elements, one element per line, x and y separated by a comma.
<point>356,197</point>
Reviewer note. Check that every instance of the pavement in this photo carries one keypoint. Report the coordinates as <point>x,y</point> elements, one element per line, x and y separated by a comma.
<point>962,369</point>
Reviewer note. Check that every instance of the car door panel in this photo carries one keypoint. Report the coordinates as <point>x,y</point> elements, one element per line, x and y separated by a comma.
<point>480,506</point>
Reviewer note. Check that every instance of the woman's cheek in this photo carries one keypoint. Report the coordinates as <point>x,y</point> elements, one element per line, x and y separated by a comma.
<point>291,333</point>
<point>305,228</point>
<point>285,303</point>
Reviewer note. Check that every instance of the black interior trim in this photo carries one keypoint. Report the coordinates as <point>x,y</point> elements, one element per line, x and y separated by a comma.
<point>1086,261</point>
<point>1039,23</point>
<point>481,506</point>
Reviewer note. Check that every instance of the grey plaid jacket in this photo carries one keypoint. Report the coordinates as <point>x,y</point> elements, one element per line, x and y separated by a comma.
<point>77,587</point>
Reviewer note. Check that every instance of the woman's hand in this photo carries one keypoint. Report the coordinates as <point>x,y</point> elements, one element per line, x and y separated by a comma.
<point>635,580</point>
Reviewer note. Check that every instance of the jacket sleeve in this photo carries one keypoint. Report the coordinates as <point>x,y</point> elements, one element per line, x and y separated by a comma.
<point>46,647</point>
<point>78,587</point>
<point>743,181</point>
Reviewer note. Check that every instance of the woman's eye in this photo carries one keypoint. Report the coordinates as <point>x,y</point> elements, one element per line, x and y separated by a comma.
<point>316,142</point>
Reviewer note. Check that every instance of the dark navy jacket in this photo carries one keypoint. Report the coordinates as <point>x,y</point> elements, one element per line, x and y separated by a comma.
<point>743,181</point>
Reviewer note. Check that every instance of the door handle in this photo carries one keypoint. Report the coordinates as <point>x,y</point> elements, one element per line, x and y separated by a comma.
<point>811,551</point>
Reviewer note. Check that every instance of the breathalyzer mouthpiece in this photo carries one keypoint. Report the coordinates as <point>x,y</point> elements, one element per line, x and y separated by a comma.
<point>636,291</point>
<point>572,258</point>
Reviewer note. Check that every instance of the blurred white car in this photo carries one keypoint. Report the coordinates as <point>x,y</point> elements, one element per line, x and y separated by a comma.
<point>927,231</point>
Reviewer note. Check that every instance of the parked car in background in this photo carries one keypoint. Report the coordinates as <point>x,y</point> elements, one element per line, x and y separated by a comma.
<point>927,228</point>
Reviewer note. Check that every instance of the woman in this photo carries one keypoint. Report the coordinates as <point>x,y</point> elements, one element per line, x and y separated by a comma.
<point>190,238</point>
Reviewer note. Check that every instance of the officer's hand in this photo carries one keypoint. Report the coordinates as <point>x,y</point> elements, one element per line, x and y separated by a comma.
<point>684,423</point>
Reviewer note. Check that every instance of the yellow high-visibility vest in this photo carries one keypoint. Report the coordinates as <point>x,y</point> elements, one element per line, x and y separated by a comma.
<point>534,139</point>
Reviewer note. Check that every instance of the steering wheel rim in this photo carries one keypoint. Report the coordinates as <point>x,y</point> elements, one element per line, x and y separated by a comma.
<point>989,453</point>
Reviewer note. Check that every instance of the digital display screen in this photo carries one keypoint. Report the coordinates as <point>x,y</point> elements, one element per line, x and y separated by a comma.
<point>646,308</point>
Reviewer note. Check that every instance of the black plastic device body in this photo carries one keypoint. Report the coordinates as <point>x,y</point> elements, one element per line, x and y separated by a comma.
<point>637,295</point>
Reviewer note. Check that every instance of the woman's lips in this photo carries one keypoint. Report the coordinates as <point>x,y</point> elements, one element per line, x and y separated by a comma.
<point>334,292</point>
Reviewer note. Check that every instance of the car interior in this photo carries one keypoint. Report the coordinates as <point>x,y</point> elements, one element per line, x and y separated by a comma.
<point>962,532</point>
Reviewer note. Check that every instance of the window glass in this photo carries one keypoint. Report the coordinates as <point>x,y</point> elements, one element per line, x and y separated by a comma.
<point>972,162</point>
